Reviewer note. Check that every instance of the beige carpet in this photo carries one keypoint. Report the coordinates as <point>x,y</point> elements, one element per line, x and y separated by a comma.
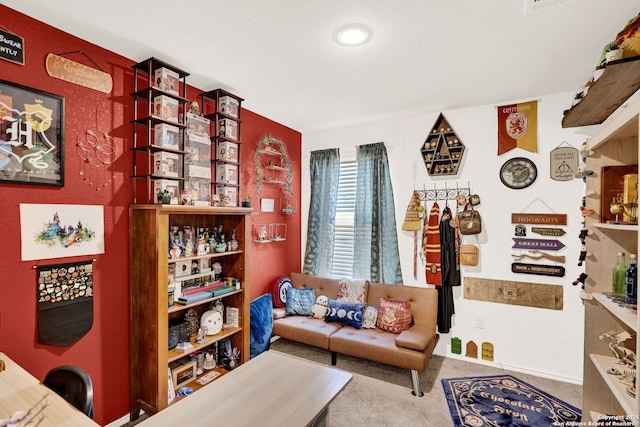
<point>380,395</point>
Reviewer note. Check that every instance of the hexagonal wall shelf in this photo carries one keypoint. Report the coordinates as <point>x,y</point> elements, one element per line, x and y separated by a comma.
<point>442,150</point>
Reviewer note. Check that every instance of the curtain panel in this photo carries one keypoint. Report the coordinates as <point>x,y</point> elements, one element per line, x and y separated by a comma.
<point>325,176</point>
<point>376,255</point>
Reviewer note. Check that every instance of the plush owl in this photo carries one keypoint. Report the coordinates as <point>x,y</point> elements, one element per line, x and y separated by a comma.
<point>370,317</point>
<point>319,309</point>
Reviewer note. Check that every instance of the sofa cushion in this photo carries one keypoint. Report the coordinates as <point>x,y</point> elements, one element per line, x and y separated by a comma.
<point>352,290</point>
<point>305,329</point>
<point>261,324</point>
<point>394,315</point>
<point>279,290</point>
<point>300,301</point>
<point>345,313</point>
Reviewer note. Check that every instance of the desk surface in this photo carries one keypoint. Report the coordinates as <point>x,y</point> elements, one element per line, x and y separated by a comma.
<point>21,391</point>
<point>272,389</point>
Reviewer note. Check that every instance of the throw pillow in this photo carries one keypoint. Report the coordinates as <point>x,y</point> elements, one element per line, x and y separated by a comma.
<point>279,290</point>
<point>351,290</point>
<point>345,313</point>
<point>370,316</point>
<point>300,301</point>
<point>394,315</point>
<point>261,324</point>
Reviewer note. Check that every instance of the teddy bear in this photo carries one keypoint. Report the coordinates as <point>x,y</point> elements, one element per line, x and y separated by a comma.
<point>319,309</point>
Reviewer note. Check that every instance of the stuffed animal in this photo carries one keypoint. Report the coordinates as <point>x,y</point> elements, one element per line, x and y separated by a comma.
<point>319,309</point>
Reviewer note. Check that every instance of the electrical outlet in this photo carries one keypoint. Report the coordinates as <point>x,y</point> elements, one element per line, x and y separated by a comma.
<point>480,321</point>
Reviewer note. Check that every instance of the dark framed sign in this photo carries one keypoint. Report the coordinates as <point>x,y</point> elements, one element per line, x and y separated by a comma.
<point>31,136</point>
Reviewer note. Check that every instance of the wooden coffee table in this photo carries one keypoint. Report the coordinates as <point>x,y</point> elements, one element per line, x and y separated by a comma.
<point>271,389</point>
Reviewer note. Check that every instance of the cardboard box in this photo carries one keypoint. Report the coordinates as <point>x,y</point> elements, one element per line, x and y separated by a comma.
<point>166,108</point>
<point>230,192</point>
<point>228,128</point>
<point>193,171</point>
<point>167,80</point>
<point>166,164</point>
<point>227,174</point>
<point>233,316</point>
<point>197,125</point>
<point>229,106</point>
<point>612,189</point>
<point>630,197</point>
<point>166,184</point>
<point>183,372</point>
<point>199,191</point>
<point>227,151</point>
<point>167,136</point>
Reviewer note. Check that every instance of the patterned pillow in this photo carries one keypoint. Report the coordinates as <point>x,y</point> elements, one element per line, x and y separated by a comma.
<point>394,315</point>
<point>300,301</point>
<point>279,290</point>
<point>345,313</point>
<point>370,316</point>
<point>351,290</point>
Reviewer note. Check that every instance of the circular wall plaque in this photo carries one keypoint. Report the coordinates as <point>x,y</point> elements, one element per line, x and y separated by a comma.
<point>518,173</point>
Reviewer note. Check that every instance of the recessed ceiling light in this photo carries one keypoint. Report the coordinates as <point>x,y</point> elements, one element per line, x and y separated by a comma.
<point>353,34</point>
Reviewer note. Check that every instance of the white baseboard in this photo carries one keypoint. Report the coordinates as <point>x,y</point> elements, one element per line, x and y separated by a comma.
<point>499,365</point>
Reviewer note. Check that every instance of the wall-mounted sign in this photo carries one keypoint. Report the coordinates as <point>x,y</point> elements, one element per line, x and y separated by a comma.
<point>76,73</point>
<point>548,231</point>
<point>537,244</point>
<point>11,47</point>
<point>544,270</point>
<point>539,219</point>
<point>564,163</point>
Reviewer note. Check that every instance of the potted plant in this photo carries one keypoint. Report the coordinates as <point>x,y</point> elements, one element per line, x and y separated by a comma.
<point>163,196</point>
<point>246,201</point>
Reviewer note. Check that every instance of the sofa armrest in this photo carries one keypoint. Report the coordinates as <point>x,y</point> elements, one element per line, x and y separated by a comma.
<point>279,313</point>
<point>415,338</point>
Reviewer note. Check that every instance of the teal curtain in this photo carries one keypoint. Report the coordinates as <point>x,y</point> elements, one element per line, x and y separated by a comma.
<point>325,176</point>
<point>375,253</point>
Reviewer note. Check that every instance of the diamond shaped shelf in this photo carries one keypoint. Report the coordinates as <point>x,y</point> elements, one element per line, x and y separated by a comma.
<point>442,151</point>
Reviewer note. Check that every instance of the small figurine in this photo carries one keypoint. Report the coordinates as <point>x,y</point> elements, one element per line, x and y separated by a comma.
<point>194,108</point>
<point>262,234</point>
<point>319,309</point>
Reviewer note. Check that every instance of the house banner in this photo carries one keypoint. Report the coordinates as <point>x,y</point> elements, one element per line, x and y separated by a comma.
<point>518,127</point>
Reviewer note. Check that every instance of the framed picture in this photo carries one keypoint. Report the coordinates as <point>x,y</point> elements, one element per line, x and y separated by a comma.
<point>31,136</point>
<point>183,373</point>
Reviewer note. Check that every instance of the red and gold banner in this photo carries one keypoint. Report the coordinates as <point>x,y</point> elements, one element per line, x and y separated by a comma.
<point>518,127</point>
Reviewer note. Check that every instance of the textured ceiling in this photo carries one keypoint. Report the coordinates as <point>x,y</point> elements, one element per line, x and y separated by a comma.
<point>425,55</point>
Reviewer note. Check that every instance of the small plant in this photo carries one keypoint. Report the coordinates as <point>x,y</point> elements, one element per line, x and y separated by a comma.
<point>246,200</point>
<point>163,196</point>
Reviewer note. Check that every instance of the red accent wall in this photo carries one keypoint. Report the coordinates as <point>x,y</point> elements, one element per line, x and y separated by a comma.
<point>103,352</point>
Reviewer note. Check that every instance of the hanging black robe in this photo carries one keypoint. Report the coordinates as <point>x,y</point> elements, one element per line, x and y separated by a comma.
<point>450,272</point>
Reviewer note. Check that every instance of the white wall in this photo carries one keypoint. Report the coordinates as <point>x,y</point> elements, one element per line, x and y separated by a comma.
<point>540,341</point>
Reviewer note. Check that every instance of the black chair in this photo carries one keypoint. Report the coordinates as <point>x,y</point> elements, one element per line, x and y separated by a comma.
<point>74,385</point>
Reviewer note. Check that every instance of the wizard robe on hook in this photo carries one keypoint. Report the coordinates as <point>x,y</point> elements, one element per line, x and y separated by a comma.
<point>431,247</point>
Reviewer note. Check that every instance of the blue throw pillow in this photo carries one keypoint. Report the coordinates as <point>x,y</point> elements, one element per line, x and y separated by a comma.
<point>300,301</point>
<point>261,324</point>
<point>345,313</point>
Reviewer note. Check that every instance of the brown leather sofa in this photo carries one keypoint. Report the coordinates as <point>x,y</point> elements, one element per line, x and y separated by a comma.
<point>410,349</point>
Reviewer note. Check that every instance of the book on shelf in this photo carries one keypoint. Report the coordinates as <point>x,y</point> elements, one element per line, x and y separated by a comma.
<point>195,297</point>
<point>205,287</point>
<point>222,290</point>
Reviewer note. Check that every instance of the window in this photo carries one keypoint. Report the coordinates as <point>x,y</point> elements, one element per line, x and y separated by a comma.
<point>344,231</point>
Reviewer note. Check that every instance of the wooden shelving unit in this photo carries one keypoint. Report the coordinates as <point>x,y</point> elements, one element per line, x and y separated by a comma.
<point>150,314</point>
<point>616,143</point>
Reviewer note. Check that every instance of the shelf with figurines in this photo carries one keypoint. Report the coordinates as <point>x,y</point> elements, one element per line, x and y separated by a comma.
<point>442,150</point>
<point>267,233</point>
<point>288,205</point>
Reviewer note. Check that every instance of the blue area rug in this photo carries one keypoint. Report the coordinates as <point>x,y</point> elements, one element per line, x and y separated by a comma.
<point>503,400</point>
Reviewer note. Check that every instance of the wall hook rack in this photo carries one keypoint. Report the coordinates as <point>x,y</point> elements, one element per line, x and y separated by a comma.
<point>445,193</point>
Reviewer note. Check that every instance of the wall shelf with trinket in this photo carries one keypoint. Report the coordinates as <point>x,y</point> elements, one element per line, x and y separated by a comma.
<point>442,150</point>
<point>219,273</point>
<point>159,91</point>
<point>224,110</point>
